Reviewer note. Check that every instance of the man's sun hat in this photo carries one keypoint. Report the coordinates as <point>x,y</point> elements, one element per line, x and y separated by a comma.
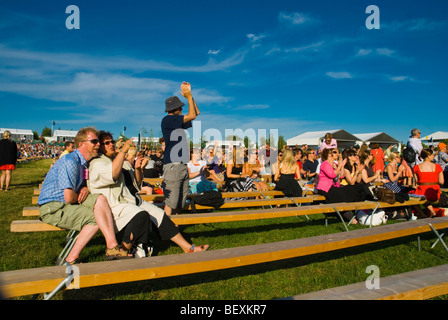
<point>173,103</point>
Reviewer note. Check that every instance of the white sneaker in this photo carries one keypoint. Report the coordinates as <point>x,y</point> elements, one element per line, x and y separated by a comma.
<point>143,250</point>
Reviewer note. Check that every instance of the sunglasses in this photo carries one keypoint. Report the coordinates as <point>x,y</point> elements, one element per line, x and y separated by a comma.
<point>92,141</point>
<point>106,143</point>
<point>335,152</point>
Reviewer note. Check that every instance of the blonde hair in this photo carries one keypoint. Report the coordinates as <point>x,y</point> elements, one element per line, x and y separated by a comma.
<point>393,155</point>
<point>82,134</point>
<point>132,151</point>
<point>7,134</point>
<point>288,163</point>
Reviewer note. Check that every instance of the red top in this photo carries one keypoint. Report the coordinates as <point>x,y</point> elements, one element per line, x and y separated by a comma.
<point>378,154</point>
<point>432,191</point>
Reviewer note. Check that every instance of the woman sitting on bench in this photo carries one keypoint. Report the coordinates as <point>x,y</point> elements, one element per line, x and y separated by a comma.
<point>331,168</point>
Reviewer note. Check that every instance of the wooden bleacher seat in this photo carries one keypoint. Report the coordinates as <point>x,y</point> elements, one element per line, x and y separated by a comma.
<point>415,285</point>
<point>215,217</point>
<point>40,280</point>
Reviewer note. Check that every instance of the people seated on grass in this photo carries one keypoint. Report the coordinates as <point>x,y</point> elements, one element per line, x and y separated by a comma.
<point>329,186</point>
<point>237,179</point>
<point>253,168</point>
<point>106,177</point>
<point>198,172</point>
<point>429,178</point>
<point>378,157</point>
<point>368,175</point>
<point>309,171</point>
<point>284,178</point>
<point>65,201</point>
<point>352,168</point>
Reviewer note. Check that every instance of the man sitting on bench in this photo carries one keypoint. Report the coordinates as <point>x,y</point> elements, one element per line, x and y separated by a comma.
<point>65,202</point>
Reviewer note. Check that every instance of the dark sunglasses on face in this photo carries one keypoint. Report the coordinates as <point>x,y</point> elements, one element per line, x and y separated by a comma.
<point>106,143</point>
<point>93,141</point>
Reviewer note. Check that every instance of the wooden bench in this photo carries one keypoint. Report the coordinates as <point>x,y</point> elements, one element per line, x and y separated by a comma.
<point>241,215</point>
<point>415,285</point>
<point>41,280</point>
<point>34,211</point>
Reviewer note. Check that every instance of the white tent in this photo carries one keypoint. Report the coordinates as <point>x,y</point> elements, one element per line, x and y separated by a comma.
<point>436,136</point>
<point>63,135</point>
<point>314,138</point>
<point>383,139</point>
<point>18,134</point>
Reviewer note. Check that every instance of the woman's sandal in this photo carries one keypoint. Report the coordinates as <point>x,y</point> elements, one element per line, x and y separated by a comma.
<point>76,261</point>
<point>203,248</point>
<point>117,253</point>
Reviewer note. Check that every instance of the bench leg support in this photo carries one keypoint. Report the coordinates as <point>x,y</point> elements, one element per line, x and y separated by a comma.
<point>72,236</point>
<point>64,283</point>
<point>439,238</point>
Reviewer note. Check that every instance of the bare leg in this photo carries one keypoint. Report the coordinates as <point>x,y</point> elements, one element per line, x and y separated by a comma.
<point>181,242</point>
<point>8,178</point>
<point>105,222</point>
<point>84,237</point>
<point>168,210</point>
<point>2,179</point>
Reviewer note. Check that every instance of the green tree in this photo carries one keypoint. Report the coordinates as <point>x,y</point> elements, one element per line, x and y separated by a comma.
<point>281,142</point>
<point>46,132</point>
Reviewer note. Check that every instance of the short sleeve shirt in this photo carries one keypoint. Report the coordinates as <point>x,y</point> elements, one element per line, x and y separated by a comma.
<point>442,159</point>
<point>66,173</point>
<point>310,166</point>
<point>176,145</point>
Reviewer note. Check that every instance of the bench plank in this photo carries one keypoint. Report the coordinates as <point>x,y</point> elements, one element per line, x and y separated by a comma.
<point>40,280</point>
<point>243,215</point>
<point>34,211</point>
<point>415,285</point>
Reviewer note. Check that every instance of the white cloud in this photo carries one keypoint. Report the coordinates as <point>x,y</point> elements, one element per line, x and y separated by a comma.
<point>255,38</point>
<point>382,52</point>
<point>339,75</point>
<point>253,107</point>
<point>418,24</point>
<point>77,61</point>
<point>401,78</point>
<point>214,52</point>
<point>296,18</point>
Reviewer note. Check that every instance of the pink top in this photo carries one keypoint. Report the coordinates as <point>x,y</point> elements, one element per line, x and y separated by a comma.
<point>326,176</point>
<point>332,145</point>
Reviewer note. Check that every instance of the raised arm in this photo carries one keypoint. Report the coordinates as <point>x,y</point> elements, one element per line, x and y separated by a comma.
<point>193,110</point>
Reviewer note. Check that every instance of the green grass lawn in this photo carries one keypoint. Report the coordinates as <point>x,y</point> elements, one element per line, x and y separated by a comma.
<point>260,282</point>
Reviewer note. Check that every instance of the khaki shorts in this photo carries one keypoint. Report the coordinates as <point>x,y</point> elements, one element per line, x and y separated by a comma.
<point>175,185</point>
<point>69,216</point>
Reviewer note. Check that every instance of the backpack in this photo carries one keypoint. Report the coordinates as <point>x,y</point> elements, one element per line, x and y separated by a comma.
<point>385,195</point>
<point>210,198</point>
<point>409,154</point>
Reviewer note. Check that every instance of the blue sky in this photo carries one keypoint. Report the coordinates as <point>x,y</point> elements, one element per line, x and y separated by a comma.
<point>291,66</point>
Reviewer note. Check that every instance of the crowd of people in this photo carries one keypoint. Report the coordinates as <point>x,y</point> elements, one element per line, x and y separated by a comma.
<point>96,183</point>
